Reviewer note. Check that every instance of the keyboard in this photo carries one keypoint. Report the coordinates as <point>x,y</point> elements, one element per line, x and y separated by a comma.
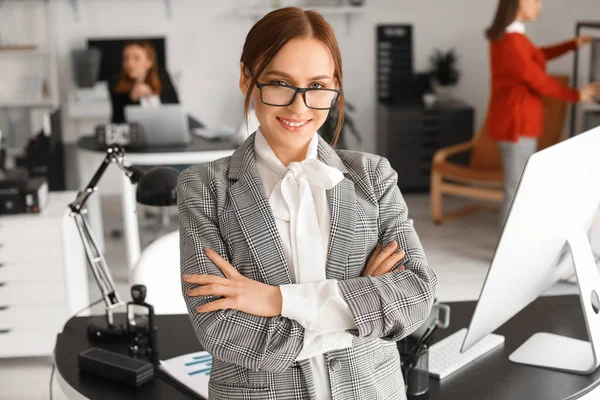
<point>445,357</point>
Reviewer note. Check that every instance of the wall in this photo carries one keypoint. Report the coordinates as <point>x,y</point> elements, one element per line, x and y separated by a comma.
<point>205,40</point>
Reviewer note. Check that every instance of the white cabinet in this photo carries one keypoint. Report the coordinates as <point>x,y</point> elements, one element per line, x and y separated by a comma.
<point>43,277</point>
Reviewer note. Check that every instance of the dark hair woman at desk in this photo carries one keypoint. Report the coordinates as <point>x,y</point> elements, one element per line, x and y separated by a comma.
<point>141,81</point>
<point>519,80</point>
<point>300,264</point>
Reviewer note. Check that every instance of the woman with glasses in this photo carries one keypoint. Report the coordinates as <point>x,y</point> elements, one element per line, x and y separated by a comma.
<point>300,266</point>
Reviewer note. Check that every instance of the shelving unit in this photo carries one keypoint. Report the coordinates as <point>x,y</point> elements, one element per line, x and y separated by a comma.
<point>590,107</point>
<point>408,135</point>
<point>23,53</point>
<point>258,12</point>
<point>75,6</point>
<point>584,107</point>
<point>30,55</point>
<point>327,11</point>
<point>49,103</point>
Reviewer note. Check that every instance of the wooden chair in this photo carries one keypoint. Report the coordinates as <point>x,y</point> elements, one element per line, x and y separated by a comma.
<point>482,178</point>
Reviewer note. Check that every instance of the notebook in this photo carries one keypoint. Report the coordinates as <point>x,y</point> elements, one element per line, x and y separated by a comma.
<point>192,370</point>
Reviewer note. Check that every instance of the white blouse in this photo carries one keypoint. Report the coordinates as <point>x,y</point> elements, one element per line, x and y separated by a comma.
<point>298,199</point>
<point>150,101</point>
<point>516,26</point>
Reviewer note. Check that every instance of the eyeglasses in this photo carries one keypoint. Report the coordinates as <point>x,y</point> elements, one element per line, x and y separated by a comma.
<point>282,96</point>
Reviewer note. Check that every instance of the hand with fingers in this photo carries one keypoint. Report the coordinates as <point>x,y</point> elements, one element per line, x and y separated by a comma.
<point>140,90</point>
<point>237,291</point>
<point>383,261</point>
<point>583,40</point>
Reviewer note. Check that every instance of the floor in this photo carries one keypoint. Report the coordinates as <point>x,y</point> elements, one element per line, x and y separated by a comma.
<point>459,251</point>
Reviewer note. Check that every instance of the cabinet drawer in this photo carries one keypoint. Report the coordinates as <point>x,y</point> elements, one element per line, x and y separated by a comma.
<point>32,293</point>
<point>36,317</point>
<point>31,252</point>
<point>404,138</point>
<point>27,342</point>
<point>416,182</point>
<point>28,233</point>
<point>407,129</point>
<point>418,116</point>
<point>41,271</point>
<point>411,158</point>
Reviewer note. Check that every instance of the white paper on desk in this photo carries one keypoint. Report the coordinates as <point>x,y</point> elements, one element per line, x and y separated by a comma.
<point>193,370</point>
<point>212,134</point>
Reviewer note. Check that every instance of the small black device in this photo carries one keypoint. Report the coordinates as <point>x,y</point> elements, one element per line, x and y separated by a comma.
<point>20,194</point>
<point>140,325</point>
<point>44,154</point>
<point>115,366</point>
<point>126,134</point>
<point>106,333</point>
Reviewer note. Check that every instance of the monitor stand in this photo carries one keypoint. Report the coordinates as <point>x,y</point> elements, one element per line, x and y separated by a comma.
<point>560,352</point>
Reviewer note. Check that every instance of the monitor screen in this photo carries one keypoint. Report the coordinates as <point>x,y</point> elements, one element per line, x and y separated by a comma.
<point>555,206</point>
<point>112,52</point>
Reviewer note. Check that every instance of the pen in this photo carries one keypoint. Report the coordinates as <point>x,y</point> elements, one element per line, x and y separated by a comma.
<point>420,342</point>
<point>426,339</point>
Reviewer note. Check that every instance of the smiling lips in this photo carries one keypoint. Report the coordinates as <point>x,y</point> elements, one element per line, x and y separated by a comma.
<point>293,125</point>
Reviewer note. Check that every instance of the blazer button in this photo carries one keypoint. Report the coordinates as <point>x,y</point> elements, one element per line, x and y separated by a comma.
<point>335,365</point>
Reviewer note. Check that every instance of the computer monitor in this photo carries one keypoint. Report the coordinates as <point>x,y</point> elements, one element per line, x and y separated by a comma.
<point>112,53</point>
<point>554,207</point>
<point>164,126</point>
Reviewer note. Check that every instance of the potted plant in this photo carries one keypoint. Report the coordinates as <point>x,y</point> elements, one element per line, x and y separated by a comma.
<point>327,131</point>
<point>444,74</point>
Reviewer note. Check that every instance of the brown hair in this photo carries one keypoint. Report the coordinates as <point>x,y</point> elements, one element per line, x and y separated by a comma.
<point>506,13</point>
<point>125,83</point>
<point>273,31</point>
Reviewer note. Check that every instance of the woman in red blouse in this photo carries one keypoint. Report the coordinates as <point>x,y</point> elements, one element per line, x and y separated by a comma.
<point>519,80</point>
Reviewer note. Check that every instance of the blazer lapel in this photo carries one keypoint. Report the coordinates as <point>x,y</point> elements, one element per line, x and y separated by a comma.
<point>342,206</point>
<point>255,217</point>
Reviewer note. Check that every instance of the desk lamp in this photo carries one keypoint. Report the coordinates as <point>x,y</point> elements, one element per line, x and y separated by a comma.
<point>156,187</point>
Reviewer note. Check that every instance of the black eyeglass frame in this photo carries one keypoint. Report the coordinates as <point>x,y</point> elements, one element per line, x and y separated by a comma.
<point>297,90</point>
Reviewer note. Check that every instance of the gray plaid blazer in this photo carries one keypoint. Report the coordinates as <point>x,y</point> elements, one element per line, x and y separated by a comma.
<point>223,206</point>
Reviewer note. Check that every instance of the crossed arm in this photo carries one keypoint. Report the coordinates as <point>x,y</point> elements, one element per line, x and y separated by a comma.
<point>245,327</point>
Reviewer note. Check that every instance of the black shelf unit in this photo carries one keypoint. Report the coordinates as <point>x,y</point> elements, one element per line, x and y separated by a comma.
<point>410,134</point>
<point>394,61</point>
<point>579,26</point>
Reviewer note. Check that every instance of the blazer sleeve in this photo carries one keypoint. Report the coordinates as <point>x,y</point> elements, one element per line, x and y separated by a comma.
<point>393,305</point>
<point>557,50</point>
<point>535,77</point>
<point>256,343</point>
<point>168,93</point>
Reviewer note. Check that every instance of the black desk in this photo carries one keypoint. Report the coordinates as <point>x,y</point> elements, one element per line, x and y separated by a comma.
<point>176,337</point>
<point>197,144</point>
<point>492,377</point>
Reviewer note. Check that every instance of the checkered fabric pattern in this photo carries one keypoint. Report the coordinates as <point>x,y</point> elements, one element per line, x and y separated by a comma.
<point>222,206</point>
